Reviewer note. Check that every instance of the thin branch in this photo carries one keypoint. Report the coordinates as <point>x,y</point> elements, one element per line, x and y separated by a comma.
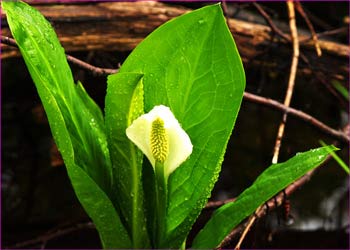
<point>337,134</point>
<point>301,11</point>
<point>247,228</point>
<point>9,41</point>
<point>216,204</point>
<point>318,75</point>
<point>318,20</point>
<point>224,8</point>
<point>95,70</point>
<point>268,19</point>
<point>341,30</point>
<point>291,81</point>
<point>43,239</point>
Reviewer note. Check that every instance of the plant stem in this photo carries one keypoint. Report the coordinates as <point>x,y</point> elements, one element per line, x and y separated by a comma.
<point>161,202</point>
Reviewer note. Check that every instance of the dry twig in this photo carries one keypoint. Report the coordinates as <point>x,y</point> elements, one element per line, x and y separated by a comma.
<point>268,19</point>
<point>247,228</point>
<point>43,239</point>
<point>319,76</point>
<point>291,81</point>
<point>95,70</point>
<point>336,134</point>
<point>337,31</point>
<point>216,204</point>
<point>301,11</point>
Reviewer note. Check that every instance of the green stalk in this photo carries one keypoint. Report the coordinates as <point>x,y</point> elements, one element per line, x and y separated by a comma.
<point>137,216</point>
<point>183,246</point>
<point>161,202</point>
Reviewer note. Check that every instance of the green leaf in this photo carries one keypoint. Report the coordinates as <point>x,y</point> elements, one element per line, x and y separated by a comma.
<point>76,121</point>
<point>269,183</point>
<point>341,89</point>
<point>100,208</point>
<point>124,103</point>
<point>340,162</point>
<point>191,65</point>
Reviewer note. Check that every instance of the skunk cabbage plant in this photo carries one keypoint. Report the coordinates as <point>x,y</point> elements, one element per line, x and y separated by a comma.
<point>175,100</point>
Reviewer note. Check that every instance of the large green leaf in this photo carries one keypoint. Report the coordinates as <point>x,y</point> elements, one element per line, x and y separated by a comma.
<point>76,121</point>
<point>269,183</point>
<point>124,103</point>
<point>191,64</point>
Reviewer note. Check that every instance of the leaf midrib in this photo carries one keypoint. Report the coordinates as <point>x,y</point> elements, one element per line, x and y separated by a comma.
<point>192,77</point>
<point>53,77</point>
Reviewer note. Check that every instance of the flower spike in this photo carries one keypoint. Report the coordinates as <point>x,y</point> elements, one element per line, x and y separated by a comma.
<point>159,135</point>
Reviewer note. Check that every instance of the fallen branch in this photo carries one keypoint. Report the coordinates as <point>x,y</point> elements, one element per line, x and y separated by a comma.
<point>120,26</point>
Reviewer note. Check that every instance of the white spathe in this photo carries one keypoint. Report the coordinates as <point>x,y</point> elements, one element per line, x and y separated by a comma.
<point>179,143</point>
